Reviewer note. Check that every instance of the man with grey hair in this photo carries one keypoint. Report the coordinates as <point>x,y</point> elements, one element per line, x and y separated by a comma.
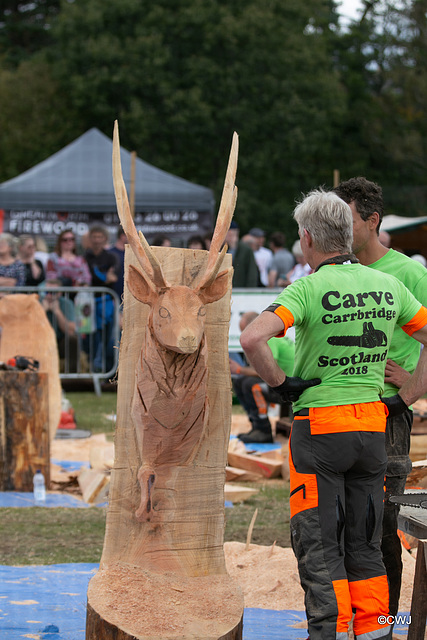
<point>344,316</point>
<point>365,199</point>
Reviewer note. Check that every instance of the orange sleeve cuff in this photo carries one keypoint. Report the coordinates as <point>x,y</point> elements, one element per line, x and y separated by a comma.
<point>286,317</point>
<point>417,322</point>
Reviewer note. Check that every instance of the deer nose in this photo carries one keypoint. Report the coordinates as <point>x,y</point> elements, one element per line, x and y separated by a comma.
<point>187,344</point>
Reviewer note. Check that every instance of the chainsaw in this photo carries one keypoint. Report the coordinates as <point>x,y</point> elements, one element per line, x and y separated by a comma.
<point>411,499</point>
<point>20,363</point>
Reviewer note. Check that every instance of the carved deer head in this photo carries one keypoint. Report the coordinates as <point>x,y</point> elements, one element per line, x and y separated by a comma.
<point>177,311</point>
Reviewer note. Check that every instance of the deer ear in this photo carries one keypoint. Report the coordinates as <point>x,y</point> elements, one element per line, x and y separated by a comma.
<point>217,289</point>
<point>140,286</point>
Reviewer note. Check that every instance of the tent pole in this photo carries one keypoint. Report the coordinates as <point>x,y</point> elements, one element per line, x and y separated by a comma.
<point>132,183</point>
<point>336,177</point>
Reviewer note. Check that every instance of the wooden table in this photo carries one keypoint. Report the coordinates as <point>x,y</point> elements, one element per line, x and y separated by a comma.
<point>413,520</point>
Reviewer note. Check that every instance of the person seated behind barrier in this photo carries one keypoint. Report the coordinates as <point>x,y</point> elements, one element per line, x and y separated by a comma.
<point>61,315</point>
<point>12,271</point>
<point>252,393</point>
<point>34,270</point>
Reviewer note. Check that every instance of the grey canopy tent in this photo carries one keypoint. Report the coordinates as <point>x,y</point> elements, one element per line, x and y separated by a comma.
<point>75,185</point>
<point>79,178</point>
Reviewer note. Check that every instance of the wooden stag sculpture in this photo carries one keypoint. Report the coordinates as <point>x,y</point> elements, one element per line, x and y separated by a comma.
<point>165,521</point>
<point>169,408</point>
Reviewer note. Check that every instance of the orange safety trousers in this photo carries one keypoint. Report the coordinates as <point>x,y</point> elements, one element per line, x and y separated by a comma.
<point>337,464</point>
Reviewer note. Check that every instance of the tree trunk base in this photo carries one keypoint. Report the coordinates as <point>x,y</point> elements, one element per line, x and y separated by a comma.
<point>24,429</point>
<point>128,603</point>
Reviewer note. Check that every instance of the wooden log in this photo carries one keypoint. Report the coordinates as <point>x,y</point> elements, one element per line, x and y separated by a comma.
<point>418,450</point>
<point>233,473</point>
<point>24,424</point>
<point>93,485</point>
<point>101,453</point>
<point>26,331</point>
<point>163,575</point>
<point>268,464</point>
<point>100,629</point>
<point>237,493</point>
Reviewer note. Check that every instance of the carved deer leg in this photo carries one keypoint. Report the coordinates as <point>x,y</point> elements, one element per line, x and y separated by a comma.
<point>146,478</point>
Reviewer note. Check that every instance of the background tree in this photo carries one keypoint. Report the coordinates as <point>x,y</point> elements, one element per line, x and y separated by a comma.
<point>35,119</point>
<point>305,95</point>
<point>25,27</point>
<point>383,60</point>
<point>181,79</point>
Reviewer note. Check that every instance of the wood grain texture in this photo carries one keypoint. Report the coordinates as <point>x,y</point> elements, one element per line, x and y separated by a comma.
<point>186,451</point>
<point>24,422</point>
<point>26,331</point>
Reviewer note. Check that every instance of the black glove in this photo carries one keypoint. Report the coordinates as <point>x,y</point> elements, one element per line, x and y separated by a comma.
<point>395,405</point>
<point>291,389</point>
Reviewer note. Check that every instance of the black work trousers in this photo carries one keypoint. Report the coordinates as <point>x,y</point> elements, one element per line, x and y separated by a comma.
<point>397,444</point>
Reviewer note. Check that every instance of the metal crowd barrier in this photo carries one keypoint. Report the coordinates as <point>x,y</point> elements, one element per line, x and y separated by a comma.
<point>92,351</point>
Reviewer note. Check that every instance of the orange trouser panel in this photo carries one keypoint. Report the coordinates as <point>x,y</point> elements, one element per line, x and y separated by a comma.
<point>369,416</point>
<point>342,594</point>
<point>370,599</point>
<point>303,489</point>
<point>259,400</point>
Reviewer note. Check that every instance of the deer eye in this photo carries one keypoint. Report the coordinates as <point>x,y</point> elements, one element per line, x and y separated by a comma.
<point>164,313</point>
<point>202,311</point>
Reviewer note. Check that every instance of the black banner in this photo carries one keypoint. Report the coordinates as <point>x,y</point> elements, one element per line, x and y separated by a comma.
<point>177,225</point>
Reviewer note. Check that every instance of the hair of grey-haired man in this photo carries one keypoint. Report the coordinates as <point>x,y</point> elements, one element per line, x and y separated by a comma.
<point>328,219</point>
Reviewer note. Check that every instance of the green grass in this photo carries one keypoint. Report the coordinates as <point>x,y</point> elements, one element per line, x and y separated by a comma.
<point>37,535</point>
<point>272,521</point>
<point>91,410</point>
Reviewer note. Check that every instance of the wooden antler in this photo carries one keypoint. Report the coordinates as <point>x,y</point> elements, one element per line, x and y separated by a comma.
<point>139,244</point>
<point>225,214</point>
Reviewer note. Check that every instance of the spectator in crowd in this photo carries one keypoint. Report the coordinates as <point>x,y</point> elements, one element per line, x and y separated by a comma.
<point>253,394</point>
<point>61,315</point>
<point>12,271</point>
<point>42,252</point>
<point>419,258</point>
<point>34,270</point>
<point>65,265</point>
<point>263,256</point>
<point>161,241</point>
<point>104,270</point>
<point>207,239</point>
<point>249,240</point>
<point>119,251</point>
<point>385,239</point>
<point>282,261</point>
<point>301,268</point>
<point>196,242</point>
<point>246,273</point>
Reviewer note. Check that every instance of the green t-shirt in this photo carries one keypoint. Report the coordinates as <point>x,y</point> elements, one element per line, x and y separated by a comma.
<point>283,350</point>
<point>344,318</point>
<point>404,350</point>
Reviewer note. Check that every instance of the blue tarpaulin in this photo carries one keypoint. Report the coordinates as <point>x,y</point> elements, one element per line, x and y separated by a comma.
<point>49,603</point>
